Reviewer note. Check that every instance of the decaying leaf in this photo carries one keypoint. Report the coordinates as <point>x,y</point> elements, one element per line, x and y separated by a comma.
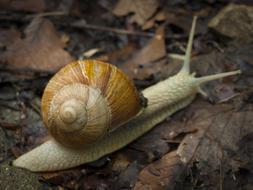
<point>160,16</point>
<point>142,9</point>
<point>162,174</point>
<point>215,141</point>
<point>122,54</point>
<point>41,49</point>
<point>234,21</point>
<point>149,60</point>
<point>218,139</point>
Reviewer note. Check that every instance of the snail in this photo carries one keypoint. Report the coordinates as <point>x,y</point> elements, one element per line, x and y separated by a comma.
<point>84,88</point>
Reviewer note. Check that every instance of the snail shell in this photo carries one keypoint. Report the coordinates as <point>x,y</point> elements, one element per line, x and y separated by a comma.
<point>87,99</point>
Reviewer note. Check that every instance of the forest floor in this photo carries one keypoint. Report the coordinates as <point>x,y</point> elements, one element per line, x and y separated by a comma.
<point>206,146</point>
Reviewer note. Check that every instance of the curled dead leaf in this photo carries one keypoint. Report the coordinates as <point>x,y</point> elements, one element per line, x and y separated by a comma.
<point>161,174</point>
<point>149,60</point>
<point>142,9</point>
<point>234,21</point>
<point>41,49</point>
<point>220,130</point>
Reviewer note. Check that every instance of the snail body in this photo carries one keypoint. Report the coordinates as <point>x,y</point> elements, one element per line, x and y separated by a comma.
<point>164,99</point>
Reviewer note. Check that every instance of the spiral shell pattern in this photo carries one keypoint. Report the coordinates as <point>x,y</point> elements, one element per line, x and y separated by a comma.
<point>87,99</point>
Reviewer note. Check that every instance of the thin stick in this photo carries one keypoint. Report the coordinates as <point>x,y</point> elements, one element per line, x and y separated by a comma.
<point>83,24</point>
<point>45,14</point>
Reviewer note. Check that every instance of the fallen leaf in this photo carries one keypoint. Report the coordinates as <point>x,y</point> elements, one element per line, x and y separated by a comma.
<point>122,54</point>
<point>142,9</point>
<point>160,16</point>
<point>234,21</point>
<point>161,174</point>
<point>181,20</point>
<point>154,150</point>
<point>220,130</point>
<point>41,49</point>
<point>150,60</point>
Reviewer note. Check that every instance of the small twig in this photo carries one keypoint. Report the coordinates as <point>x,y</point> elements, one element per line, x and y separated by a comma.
<point>45,14</point>
<point>83,24</point>
<point>228,98</point>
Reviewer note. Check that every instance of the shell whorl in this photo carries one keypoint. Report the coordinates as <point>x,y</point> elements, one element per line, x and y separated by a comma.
<point>71,112</point>
<point>87,99</point>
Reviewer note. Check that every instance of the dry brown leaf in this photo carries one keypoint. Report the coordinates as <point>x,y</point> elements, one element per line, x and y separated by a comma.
<point>41,49</point>
<point>23,5</point>
<point>161,174</point>
<point>149,60</point>
<point>220,130</point>
<point>181,21</point>
<point>234,21</point>
<point>160,16</point>
<point>121,55</point>
<point>142,9</point>
<point>152,145</point>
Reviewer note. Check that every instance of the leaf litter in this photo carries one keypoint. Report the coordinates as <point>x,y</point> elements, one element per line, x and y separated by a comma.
<point>152,56</point>
<point>40,50</point>
<point>203,146</point>
<point>142,9</point>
